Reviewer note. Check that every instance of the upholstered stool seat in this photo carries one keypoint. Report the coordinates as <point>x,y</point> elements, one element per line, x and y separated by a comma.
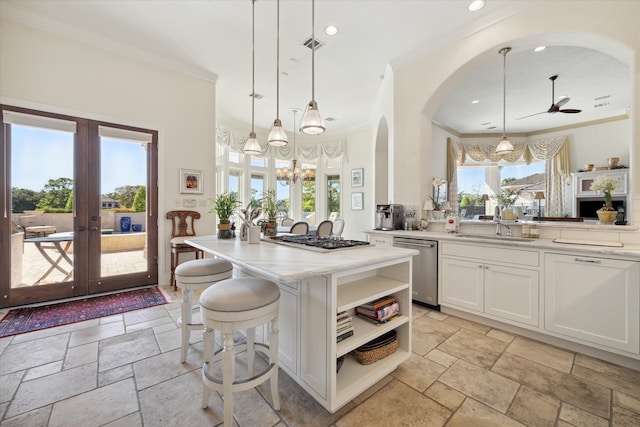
<point>232,305</point>
<point>193,275</point>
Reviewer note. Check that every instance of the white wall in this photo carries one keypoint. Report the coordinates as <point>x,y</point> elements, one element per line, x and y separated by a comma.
<point>420,86</point>
<point>44,71</point>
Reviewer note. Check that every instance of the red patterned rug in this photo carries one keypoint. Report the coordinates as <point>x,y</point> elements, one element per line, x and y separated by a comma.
<point>30,319</point>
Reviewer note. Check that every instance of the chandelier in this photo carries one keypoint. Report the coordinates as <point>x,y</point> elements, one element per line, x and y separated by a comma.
<point>295,174</point>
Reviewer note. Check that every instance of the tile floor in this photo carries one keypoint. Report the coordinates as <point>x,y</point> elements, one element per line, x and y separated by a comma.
<point>124,371</point>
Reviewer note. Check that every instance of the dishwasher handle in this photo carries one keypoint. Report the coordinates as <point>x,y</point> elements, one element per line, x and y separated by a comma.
<point>415,243</point>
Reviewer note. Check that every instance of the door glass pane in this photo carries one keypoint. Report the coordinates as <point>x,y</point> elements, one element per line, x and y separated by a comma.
<point>123,207</point>
<point>257,188</point>
<point>41,199</point>
<point>309,196</point>
<point>333,196</point>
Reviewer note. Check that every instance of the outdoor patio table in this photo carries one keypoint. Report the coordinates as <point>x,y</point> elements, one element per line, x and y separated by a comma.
<point>59,246</point>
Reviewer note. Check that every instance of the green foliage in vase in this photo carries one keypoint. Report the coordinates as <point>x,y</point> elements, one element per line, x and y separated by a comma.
<point>224,205</point>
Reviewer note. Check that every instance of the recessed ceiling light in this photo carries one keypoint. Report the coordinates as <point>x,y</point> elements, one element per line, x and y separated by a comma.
<point>539,49</point>
<point>475,101</point>
<point>331,30</point>
<point>476,5</point>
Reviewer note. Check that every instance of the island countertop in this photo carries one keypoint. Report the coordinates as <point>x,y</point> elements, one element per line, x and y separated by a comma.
<point>286,264</point>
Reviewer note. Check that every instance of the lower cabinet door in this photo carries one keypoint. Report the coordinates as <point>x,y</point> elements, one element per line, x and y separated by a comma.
<point>511,293</point>
<point>288,330</point>
<point>593,299</point>
<point>462,283</point>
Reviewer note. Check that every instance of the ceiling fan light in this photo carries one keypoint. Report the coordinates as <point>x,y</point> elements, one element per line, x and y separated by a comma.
<point>252,146</point>
<point>312,123</point>
<point>504,146</point>
<point>277,136</point>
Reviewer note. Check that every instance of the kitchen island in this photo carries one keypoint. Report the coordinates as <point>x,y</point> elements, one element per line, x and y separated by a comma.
<point>314,288</point>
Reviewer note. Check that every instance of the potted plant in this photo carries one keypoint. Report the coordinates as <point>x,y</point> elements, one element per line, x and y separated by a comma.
<point>224,205</point>
<point>606,214</point>
<point>270,212</point>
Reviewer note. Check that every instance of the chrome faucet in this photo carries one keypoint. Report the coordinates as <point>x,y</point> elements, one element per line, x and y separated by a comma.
<point>499,224</point>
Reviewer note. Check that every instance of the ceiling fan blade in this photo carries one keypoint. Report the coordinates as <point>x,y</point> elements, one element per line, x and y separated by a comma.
<point>563,101</point>
<point>531,115</point>
<point>570,110</point>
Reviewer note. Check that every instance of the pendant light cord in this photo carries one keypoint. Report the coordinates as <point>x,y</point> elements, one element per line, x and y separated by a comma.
<point>253,62</point>
<point>278,61</point>
<point>313,50</point>
<point>504,52</point>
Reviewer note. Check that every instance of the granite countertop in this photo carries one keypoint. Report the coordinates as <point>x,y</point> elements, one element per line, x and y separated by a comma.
<point>287,264</point>
<point>629,250</point>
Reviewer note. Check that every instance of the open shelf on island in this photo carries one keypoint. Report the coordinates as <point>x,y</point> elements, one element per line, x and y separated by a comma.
<point>367,289</point>
<point>364,331</point>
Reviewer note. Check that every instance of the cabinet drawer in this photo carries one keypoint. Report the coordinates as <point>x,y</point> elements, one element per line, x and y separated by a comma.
<point>491,253</point>
<point>385,241</point>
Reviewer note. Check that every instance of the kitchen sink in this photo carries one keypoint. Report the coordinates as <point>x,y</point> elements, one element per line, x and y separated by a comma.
<point>501,238</point>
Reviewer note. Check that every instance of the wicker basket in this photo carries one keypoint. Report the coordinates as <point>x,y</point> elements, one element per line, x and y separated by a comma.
<point>377,349</point>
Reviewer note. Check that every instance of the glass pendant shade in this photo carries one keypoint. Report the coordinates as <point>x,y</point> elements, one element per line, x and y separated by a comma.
<point>277,136</point>
<point>504,146</point>
<point>312,123</point>
<point>252,146</point>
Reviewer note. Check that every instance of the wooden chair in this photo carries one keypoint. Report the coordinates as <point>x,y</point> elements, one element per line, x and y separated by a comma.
<point>182,227</point>
<point>300,227</point>
<point>324,228</point>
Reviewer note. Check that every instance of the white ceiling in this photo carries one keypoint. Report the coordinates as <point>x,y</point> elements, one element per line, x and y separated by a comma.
<point>213,38</point>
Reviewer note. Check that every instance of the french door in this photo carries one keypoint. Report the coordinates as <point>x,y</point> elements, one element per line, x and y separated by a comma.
<point>79,207</point>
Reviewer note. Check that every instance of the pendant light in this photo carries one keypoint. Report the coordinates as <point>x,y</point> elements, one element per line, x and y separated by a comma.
<point>312,123</point>
<point>252,146</point>
<point>504,146</point>
<point>277,136</point>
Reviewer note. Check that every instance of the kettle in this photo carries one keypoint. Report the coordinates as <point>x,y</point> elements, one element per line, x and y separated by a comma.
<point>452,222</point>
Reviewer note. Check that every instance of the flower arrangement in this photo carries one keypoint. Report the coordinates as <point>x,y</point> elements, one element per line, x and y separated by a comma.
<point>437,183</point>
<point>606,185</point>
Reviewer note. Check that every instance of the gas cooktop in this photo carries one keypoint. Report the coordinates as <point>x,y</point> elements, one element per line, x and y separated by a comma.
<point>314,243</point>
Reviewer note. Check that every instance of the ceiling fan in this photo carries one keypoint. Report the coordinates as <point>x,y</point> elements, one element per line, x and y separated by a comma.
<point>555,108</point>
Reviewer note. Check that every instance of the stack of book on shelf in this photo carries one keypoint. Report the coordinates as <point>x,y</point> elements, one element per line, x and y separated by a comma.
<point>344,329</point>
<point>379,311</point>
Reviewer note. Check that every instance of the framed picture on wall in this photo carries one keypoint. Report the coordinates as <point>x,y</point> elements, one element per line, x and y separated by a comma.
<point>357,177</point>
<point>357,201</point>
<point>191,181</point>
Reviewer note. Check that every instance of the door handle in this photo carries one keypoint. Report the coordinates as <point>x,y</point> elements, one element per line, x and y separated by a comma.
<point>94,228</point>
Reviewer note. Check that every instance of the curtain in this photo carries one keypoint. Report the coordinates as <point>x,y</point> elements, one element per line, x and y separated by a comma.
<point>309,152</point>
<point>542,149</point>
<point>557,175</point>
<point>452,176</point>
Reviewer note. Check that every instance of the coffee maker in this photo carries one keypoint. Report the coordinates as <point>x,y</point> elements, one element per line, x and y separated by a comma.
<point>388,217</point>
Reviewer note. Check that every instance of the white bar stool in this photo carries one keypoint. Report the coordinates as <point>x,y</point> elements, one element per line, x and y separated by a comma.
<point>192,275</point>
<point>231,305</point>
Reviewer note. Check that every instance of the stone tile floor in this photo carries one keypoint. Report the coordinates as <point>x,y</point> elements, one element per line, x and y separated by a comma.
<point>124,370</point>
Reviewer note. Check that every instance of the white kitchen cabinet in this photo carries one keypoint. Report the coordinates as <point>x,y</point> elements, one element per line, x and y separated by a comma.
<point>593,299</point>
<point>582,182</point>
<point>489,280</point>
<point>314,324</point>
<point>462,283</point>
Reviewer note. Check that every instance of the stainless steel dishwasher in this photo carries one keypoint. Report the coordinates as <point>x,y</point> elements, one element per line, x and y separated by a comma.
<point>425,269</point>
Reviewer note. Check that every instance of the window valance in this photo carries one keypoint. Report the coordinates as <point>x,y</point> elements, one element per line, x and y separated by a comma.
<point>479,152</point>
<point>235,142</point>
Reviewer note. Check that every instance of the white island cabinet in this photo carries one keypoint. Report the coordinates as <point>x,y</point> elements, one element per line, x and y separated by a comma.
<point>314,288</point>
<point>593,299</point>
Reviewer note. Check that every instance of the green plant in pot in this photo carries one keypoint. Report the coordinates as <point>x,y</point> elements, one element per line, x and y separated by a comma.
<point>270,213</point>
<point>224,206</point>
